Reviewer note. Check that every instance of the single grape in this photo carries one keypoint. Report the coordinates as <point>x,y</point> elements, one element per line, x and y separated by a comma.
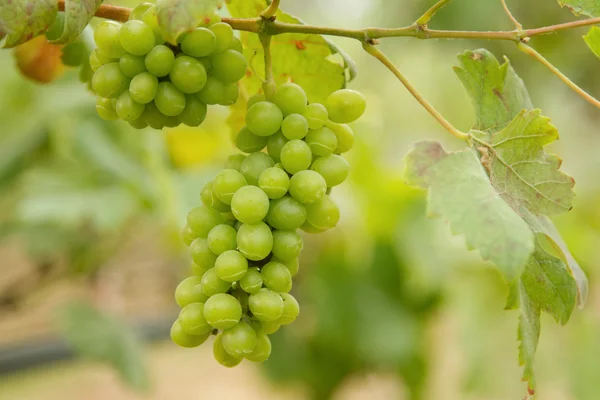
<point>57,27</point>
<point>74,54</point>
<point>250,204</point>
<point>226,183</point>
<point>139,10</point>
<point>294,126</point>
<point>248,142</point>
<point>229,66</point>
<point>316,115</point>
<point>132,65</point>
<point>290,98</point>
<point>212,284</point>
<point>255,241</point>
<point>230,94</point>
<point>224,35</point>
<point>109,81</point>
<point>333,168</point>
<point>192,319</point>
<point>94,61</point>
<point>323,214</point>
<point>127,108</point>
<point>139,123</point>
<point>287,245</point>
<point>307,186</point>
<point>104,58</point>
<point>264,118</point>
<point>242,297</point>
<point>197,270</point>
<point>202,219</point>
<point>194,112</point>
<point>296,156</point>
<point>254,165</point>
<point>137,38</point>
<point>252,281</point>
<point>210,200</point>
<point>255,99</point>
<point>201,253</point>
<point>189,291</point>
<point>223,311</point>
<point>150,18</point>
<point>322,141</point>
<point>199,43</point>
<point>276,277</point>
<point>274,145</point>
<point>221,238</point>
<point>262,349</point>
<point>106,36</point>
<point>154,117</point>
<point>266,306</point>
<point>169,100</point>
<point>160,61</point>
<point>345,105</point>
<point>274,182</point>
<point>188,74</point>
<point>344,135</point>
<point>106,109</point>
<point>206,62</point>
<point>212,92</point>
<point>143,88</point>
<point>231,265</point>
<point>184,339</point>
<point>235,161</point>
<point>240,340</point>
<point>222,356</point>
<point>291,309</point>
<point>292,265</point>
<point>286,213</point>
<point>236,44</point>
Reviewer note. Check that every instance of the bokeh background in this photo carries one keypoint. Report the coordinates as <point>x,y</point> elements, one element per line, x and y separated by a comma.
<point>393,306</point>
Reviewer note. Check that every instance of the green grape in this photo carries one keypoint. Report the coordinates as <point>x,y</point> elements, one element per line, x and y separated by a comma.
<point>262,349</point>
<point>229,66</point>
<point>269,328</point>
<point>197,270</point>
<point>194,112</point>
<point>184,339</point>
<point>106,36</point>
<point>212,92</point>
<point>199,43</point>
<point>222,311</point>
<point>231,265</point>
<point>222,356</point>
<point>132,65</point>
<point>235,161</point>
<point>276,277</point>
<point>333,168</point>
<point>286,213</point>
<point>254,165</point>
<point>188,74</point>
<point>264,118</point>
<point>202,219</point>
<point>188,235</point>
<point>169,100</point>
<point>74,54</point>
<point>292,265</point>
<point>206,62</point>
<point>323,214</point>
<point>290,98</point>
<point>221,238</point>
<point>344,135</point>
<point>240,340</point>
<point>139,10</point>
<point>296,156</point>
<point>223,34</point>
<point>230,94</point>
<point>94,61</point>
<point>294,126</point>
<point>212,284</point>
<point>103,58</point>
<point>255,241</point>
<point>227,183</point>
<point>154,117</point>
<point>307,186</point>
<point>243,299</point>
<point>287,245</point>
<point>192,321</point>
<point>150,18</point>
<point>57,27</point>
<point>250,204</point>
<point>274,145</point>
<point>255,99</point>
<point>345,106</point>
<point>248,142</point>
<point>137,38</point>
<point>236,45</point>
<point>143,88</point>
<point>266,306</point>
<point>106,109</point>
<point>210,200</point>
<point>274,182</point>
<point>139,123</point>
<point>160,61</point>
<point>322,141</point>
<point>309,228</point>
<point>109,81</point>
<point>291,309</point>
<point>189,291</point>
<point>201,253</point>
<point>127,108</point>
<point>252,281</point>
<point>316,115</point>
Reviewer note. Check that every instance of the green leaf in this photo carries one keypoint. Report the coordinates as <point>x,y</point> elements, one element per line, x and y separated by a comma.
<point>78,14</point>
<point>22,20</point>
<point>593,40</point>
<point>529,335</point>
<point>460,191</point>
<point>176,17</point>
<point>497,92</point>
<point>590,8</point>
<point>522,173</point>
<point>96,336</point>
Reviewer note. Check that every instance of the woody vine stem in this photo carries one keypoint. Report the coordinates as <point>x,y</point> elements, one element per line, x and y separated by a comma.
<point>266,26</point>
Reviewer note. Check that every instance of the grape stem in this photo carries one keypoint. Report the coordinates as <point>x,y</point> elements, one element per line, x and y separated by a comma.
<point>269,13</point>
<point>511,16</point>
<point>424,19</point>
<point>372,50</point>
<point>269,83</point>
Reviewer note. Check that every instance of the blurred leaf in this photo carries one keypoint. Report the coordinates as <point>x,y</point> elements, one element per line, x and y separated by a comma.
<point>96,336</point>
<point>519,169</point>
<point>386,269</point>
<point>39,60</point>
<point>78,14</point>
<point>179,16</point>
<point>593,40</point>
<point>460,191</point>
<point>497,92</point>
<point>22,20</point>
<point>529,335</point>
<point>590,8</point>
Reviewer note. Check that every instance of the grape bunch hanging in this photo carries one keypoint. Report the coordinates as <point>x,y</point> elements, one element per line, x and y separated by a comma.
<point>140,78</point>
<point>244,239</point>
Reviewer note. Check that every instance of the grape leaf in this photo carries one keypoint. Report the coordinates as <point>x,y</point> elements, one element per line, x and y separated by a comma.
<point>78,14</point>
<point>178,16</point>
<point>460,191</point>
<point>593,40</point>
<point>497,92</point>
<point>590,8</point>
<point>522,173</point>
<point>22,20</point>
<point>528,334</point>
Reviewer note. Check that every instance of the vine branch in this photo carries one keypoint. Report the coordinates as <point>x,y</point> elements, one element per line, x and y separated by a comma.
<point>511,16</point>
<point>372,50</point>
<point>269,13</point>
<point>426,17</point>
<point>269,83</point>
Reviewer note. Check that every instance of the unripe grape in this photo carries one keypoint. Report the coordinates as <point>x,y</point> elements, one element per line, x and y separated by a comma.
<point>209,199</point>
<point>199,42</point>
<point>294,126</point>
<point>322,141</point>
<point>235,161</point>
<point>127,108</point>
<point>287,245</point>
<point>136,37</point>
<point>323,214</point>
<point>201,253</point>
<point>248,142</point>
<point>236,44</point>
<point>269,328</point>
<point>290,98</point>
<point>188,74</point>
<point>344,135</point>
<point>154,117</point>
<point>291,309</point>
<point>231,266</point>
<point>292,265</point>
<point>345,105</point>
<point>276,277</point>
<point>264,118</point>
<point>160,61</point>
<point>262,349</point>
<point>250,204</point>
<point>192,321</point>
<point>106,109</point>
<point>224,35</point>
<point>296,156</point>
<point>143,87</point>
<point>307,186</point>
<point>139,10</point>
<point>189,291</point>
<point>316,115</point>
<point>106,36</point>
<point>202,219</point>
<point>150,18</point>
<point>274,182</point>
<point>240,340</point>
<point>184,339</point>
<point>199,271</point>
<point>230,94</point>
<point>266,306</point>
<point>221,238</point>
<point>229,66</point>
<point>212,284</point>
<point>255,99</point>
<point>254,165</point>
<point>169,100</point>
<point>139,123</point>
<point>223,311</point>
<point>286,213</point>
<point>109,81</point>
<point>212,92</point>
<point>255,241</point>
<point>194,112</point>
<point>226,183</point>
<point>274,145</point>
<point>309,228</point>
<point>132,65</point>
<point>222,356</point>
<point>334,169</point>
<point>252,281</point>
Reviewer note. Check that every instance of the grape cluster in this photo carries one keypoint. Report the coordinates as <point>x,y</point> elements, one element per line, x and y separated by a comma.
<point>143,80</point>
<point>244,240</point>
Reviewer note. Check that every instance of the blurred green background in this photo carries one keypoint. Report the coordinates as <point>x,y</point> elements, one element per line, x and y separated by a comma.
<point>393,306</point>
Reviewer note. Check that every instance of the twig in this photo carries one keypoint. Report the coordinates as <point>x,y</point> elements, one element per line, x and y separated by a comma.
<point>511,16</point>
<point>424,19</point>
<point>269,13</point>
<point>269,83</point>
